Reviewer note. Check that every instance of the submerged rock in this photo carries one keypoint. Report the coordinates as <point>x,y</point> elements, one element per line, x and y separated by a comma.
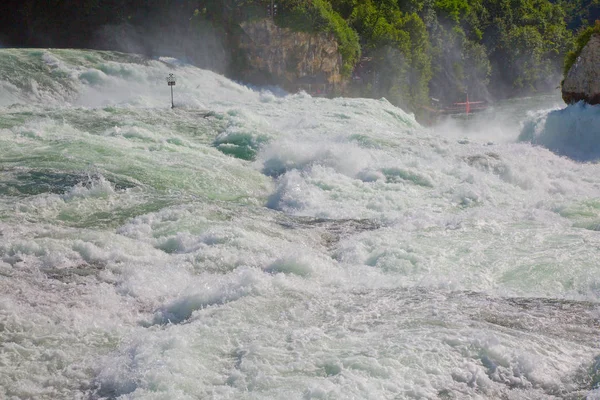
<point>583,79</point>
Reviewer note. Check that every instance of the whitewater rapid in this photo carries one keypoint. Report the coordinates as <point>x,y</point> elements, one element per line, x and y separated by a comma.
<point>252,245</point>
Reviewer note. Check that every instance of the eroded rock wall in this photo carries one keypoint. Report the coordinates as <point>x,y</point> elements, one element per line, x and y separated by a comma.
<point>280,56</point>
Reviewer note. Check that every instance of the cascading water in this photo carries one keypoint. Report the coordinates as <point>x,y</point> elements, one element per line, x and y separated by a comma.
<point>251,246</point>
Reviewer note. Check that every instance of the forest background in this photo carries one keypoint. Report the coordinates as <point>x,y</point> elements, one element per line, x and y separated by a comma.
<point>407,51</point>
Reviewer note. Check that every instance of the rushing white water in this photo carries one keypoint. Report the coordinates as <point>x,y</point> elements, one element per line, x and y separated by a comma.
<point>249,246</point>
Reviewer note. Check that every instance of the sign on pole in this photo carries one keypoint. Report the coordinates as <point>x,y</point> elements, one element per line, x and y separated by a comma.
<point>171,83</point>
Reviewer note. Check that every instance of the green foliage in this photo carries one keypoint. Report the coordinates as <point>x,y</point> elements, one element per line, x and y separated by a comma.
<point>420,61</point>
<point>526,41</point>
<point>582,39</point>
<point>454,9</point>
<point>527,47</point>
<point>344,7</point>
<point>506,47</point>
<point>580,13</point>
<point>455,61</point>
<point>397,44</point>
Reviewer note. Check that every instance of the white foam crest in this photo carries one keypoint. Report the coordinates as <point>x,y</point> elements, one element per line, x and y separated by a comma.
<point>61,293</point>
<point>51,60</point>
<point>211,245</point>
<point>9,94</point>
<point>572,131</point>
<point>95,79</point>
<point>474,252</point>
<point>135,132</point>
<point>208,290</point>
<point>96,186</point>
<point>353,345</point>
<point>285,155</point>
<point>475,174</point>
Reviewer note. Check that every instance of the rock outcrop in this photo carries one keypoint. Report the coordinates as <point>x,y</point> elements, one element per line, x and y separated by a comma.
<point>294,60</point>
<point>583,79</point>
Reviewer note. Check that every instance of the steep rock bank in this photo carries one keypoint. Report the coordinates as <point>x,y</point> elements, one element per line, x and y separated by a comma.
<point>583,79</point>
<point>294,60</point>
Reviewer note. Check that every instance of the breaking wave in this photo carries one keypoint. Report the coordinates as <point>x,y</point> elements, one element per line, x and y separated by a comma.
<point>573,132</point>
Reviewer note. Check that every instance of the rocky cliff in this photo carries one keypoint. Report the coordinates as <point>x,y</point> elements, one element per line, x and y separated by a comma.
<point>583,79</point>
<point>294,60</point>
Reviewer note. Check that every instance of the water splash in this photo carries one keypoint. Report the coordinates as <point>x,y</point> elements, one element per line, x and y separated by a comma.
<point>573,132</point>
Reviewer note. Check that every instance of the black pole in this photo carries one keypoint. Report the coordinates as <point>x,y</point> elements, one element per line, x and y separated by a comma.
<point>171,82</point>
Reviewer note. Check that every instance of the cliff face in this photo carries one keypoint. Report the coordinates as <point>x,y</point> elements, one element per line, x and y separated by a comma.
<point>583,79</point>
<point>294,60</point>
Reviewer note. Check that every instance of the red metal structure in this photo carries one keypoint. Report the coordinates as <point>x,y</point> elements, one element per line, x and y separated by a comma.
<point>434,112</point>
<point>468,104</point>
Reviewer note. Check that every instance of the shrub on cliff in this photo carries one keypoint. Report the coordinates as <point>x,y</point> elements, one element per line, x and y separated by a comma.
<point>580,42</point>
<point>318,16</point>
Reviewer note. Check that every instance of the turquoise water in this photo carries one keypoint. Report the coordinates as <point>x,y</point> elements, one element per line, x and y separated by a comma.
<point>245,245</point>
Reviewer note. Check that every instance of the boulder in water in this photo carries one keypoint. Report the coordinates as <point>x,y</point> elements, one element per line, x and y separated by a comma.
<point>583,79</point>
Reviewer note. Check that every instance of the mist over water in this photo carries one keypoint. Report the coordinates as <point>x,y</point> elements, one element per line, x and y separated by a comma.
<point>172,39</point>
<point>246,245</point>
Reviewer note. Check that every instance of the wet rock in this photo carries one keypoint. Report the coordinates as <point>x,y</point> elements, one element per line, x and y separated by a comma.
<point>490,162</point>
<point>74,274</point>
<point>333,230</point>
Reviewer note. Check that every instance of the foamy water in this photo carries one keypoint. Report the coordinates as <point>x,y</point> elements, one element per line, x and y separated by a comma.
<point>247,245</point>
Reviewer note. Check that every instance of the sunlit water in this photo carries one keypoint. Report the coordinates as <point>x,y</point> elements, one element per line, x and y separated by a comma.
<point>250,246</point>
